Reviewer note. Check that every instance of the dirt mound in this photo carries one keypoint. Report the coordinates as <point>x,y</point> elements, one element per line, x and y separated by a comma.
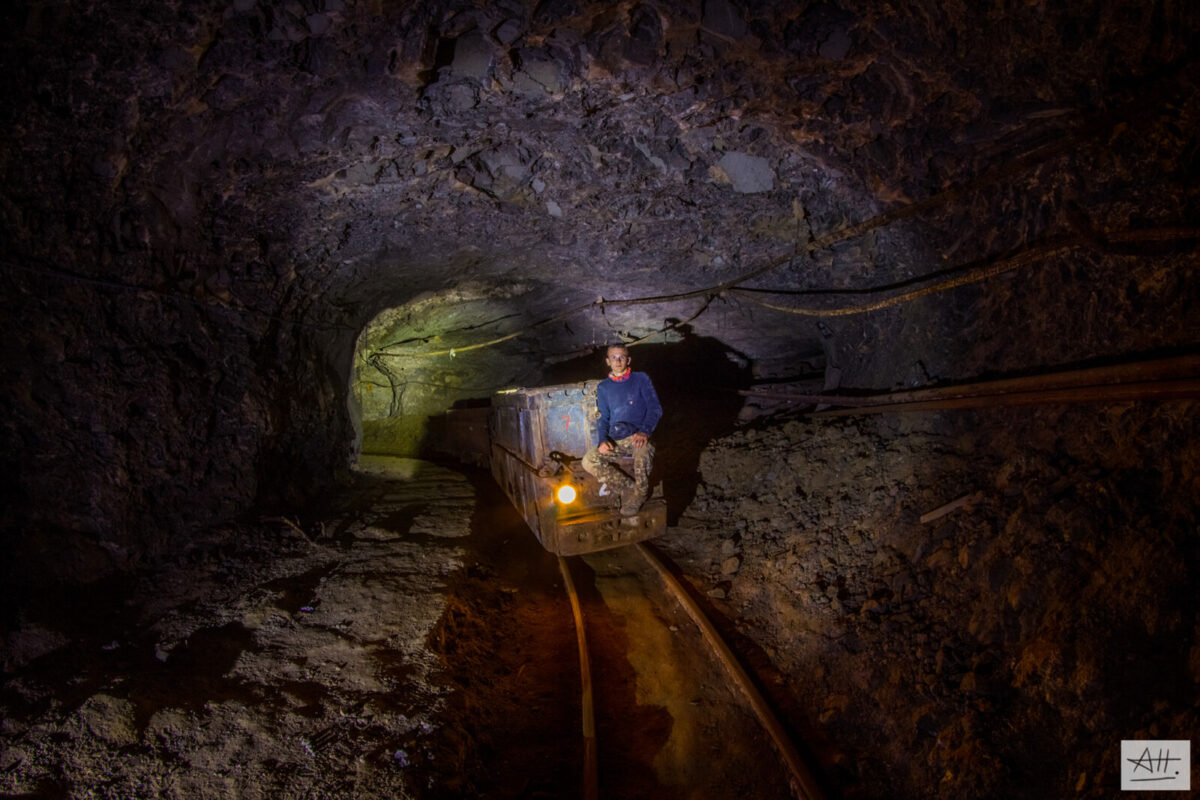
<point>1003,646</point>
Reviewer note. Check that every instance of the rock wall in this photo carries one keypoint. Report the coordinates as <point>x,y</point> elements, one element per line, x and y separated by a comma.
<point>203,205</point>
<point>137,419</point>
<point>1003,649</point>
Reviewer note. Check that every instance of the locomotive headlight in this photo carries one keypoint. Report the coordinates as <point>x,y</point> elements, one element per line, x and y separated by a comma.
<point>566,494</point>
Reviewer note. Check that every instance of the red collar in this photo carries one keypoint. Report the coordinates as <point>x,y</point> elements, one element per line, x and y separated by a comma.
<point>624,376</point>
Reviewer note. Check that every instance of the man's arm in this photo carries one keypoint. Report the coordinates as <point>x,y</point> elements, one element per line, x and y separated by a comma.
<point>651,411</point>
<point>602,423</point>
<point>654,410</point>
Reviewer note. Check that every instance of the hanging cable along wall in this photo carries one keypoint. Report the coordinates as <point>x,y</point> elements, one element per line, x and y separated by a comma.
<point>970,274</point>
<point>1092,128</point>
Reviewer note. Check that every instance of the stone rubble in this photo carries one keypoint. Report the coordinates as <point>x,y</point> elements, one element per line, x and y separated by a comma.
<point>1038,626</point>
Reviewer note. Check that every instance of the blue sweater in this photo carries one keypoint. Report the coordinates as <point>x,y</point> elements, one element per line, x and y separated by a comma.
<point>630,405</point>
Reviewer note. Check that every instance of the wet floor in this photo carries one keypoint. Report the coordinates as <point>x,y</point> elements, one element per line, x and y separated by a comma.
<point>413,642</point>
<point>290,661</point>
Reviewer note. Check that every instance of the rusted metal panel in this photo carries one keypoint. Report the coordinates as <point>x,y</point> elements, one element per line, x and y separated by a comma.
<point>553,418</point>
<point>569,415</point>
<point>510,427</point>
<point>594,529</point>
<point>538,437</point>
<point>519,483</point>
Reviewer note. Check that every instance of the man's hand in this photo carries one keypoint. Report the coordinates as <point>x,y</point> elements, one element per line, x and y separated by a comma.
<point>640,439</point>
<point>605,447</point>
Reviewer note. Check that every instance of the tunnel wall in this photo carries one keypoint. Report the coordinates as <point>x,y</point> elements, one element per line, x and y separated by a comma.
<point>140,419</point>
<point>192,201</point>
<point>998,646</point>
<point>163,374</point>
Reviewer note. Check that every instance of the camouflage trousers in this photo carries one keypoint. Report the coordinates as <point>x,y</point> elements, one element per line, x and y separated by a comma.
<point>629,491</point>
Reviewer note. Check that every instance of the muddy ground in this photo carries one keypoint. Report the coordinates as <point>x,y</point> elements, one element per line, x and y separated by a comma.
<point>390,649</point>
<point>416,642</point>
<point>280,659</point>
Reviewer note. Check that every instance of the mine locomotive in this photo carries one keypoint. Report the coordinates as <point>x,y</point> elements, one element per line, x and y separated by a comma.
<point>538,438</point>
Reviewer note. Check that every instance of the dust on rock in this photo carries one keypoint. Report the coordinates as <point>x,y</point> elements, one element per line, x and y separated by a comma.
<point>933,659</point>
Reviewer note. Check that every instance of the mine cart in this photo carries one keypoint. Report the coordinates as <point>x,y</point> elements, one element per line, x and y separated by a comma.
<point>539,437</point>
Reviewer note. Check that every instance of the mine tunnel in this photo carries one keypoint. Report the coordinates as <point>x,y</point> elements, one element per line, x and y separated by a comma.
<point>916,283</point>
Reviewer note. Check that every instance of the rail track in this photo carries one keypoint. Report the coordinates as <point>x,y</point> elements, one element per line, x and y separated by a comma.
<point>720,720</point>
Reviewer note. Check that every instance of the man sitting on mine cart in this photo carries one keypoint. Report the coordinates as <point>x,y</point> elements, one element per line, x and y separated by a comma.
<point>629,411</point>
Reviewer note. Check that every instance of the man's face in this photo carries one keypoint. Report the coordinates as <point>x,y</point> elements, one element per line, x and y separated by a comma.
<point>618,359</point>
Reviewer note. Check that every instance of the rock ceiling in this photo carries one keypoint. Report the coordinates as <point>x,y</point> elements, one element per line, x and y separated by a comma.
<point>354,156</point>
<point>205,204</point>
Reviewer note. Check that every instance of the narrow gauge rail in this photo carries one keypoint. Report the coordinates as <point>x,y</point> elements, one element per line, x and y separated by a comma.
<point>800,779</point>
<point>536,439</point>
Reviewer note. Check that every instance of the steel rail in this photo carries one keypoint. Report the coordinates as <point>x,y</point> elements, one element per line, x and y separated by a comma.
<point>1134,380</point>
<point>803,782</point>
<point>1108,393</point>
<point>590,788</point>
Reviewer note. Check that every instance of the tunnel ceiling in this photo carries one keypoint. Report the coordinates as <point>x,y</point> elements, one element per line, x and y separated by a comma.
<point>205,204</point>
<point>324,160</point>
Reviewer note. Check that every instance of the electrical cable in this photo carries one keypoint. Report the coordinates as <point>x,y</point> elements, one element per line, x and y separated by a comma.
<point>1045,250</point>
<point>1094,126</point>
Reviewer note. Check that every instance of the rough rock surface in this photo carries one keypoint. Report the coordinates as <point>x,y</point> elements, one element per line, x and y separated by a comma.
<point>1002,649</point>
<point>274,666</point>
<point>416,643</point>
<point>205,204</point>
<point>245,239</point>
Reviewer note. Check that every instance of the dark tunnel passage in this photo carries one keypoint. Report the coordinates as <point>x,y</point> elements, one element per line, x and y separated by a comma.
<point>917,284</point>
<point>698,381</point>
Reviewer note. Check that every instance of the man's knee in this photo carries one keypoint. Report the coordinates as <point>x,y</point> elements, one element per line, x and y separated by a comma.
<point>644,455</point>
<point>591,460</point>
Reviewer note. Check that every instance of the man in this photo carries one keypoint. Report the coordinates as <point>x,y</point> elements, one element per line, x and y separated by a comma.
<point>629,411</point>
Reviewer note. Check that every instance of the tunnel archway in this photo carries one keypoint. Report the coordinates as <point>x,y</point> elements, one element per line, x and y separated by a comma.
<point>406,368</point>
<point>457,348</point>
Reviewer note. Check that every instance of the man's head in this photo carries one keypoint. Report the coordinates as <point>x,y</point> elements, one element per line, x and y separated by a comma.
<point>618,359</point>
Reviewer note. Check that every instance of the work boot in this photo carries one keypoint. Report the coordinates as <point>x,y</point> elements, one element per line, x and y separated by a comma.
<point>631,502</point>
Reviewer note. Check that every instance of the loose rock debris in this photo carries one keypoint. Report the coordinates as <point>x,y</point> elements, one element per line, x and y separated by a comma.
<point>1002,650</point>
<point>1005,648</point>
<point>273,666</point>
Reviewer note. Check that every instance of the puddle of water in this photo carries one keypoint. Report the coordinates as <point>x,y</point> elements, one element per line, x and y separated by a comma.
<point>390,466</point>
<point>398,522</point>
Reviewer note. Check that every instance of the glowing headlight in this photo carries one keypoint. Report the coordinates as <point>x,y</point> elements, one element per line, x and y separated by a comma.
<point>566,494</point>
